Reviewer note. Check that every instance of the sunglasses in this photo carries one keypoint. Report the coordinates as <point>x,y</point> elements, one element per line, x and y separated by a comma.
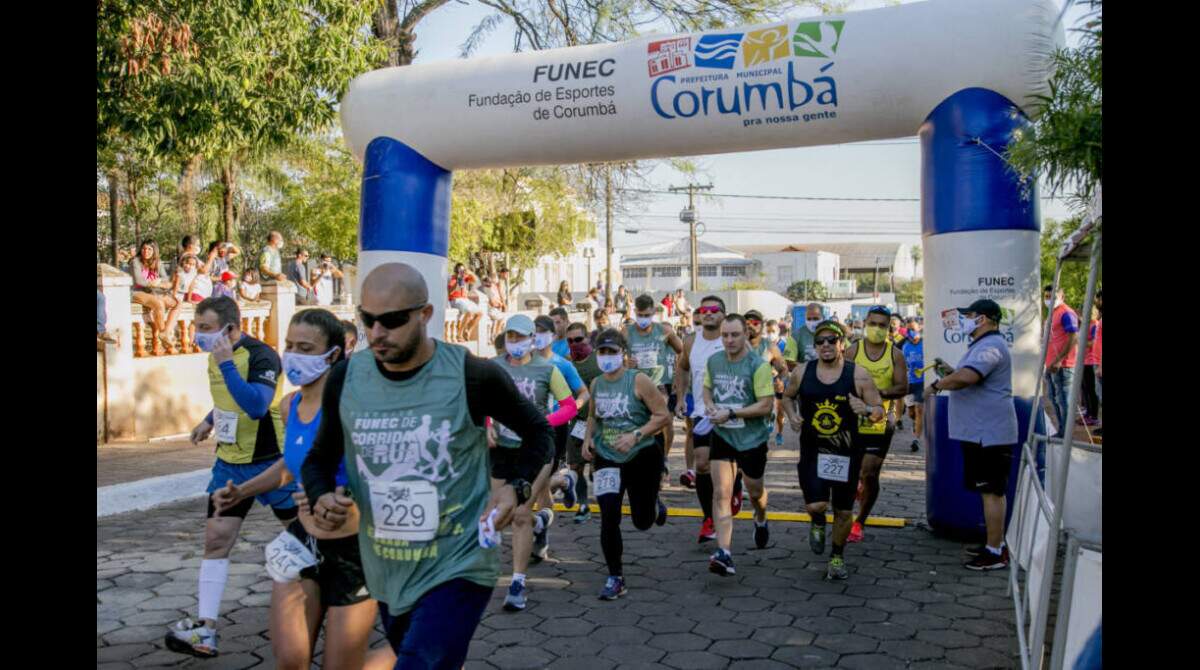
<point>828,339</point>
<point>709,309</point>
<point>754,322</point>
<point>576,340</point>
<point>389,320</point>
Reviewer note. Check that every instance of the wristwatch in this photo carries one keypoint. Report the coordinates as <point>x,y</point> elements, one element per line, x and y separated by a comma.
<point>523,490</point>
<point>934,386</point>
<point>637,435</point>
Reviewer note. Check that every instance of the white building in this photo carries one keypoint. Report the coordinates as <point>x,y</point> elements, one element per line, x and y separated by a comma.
<point>789,265</point>
<point>667,267</point>
<point>580,270</point>
<point>853,257</point>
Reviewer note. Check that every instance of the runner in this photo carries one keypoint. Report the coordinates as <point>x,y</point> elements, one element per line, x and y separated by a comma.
<point>914,360</point>
<point>688,478</point>
<point>628,410</point>
<point>545,328</point>
<point>244,379</point>
<point>409,422</point>
<point>831,391</point>
<point>885,363</point>
<point>560,319</point>
<point>738,396</point>
<point>329,584</point>
<point>764,346</point>
<point>539,380</point>
<point>649,341</point>
<point>799,346</point>
<point>583,357</point>
<point>692,368</point>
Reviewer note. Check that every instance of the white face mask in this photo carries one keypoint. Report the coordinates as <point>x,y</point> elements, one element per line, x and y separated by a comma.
<point>644,321</point>
<point>542,340</point>
<point>304,369</point>
<point>609,362</point>
<point>206,341</point>
<point>1050,303</point>
<point>772,337</point>
<point>519,348</point>
<point>967,325</point>
<point>812,324</point>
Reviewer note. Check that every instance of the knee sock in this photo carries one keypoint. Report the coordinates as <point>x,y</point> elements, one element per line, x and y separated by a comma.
<point>704,491</point>
<point>581,489</point>
<point>213,574</point>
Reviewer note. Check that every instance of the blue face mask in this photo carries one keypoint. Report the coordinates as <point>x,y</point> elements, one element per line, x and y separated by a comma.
<point>609,362</point>
<point>644,321</point>
<point>519,348</point>
<point>542,340</point>
<point>304,369</point>
<point>206,341</point>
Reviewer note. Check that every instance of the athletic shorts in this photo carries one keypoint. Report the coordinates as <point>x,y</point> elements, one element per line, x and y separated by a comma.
<point>436,632</point>
<point>496,315</point>
<point>875,445</point>
<point>465,306</point>
<point>668,390</point>
<point>752,462</point>
<point>280,500</point>
<point>985,469</point>
<point>339,570</point>
<point>504,462</point>
<point>561,433</point>
<point>917,397</point>
<point>575,452</point>
<point>817,490</point>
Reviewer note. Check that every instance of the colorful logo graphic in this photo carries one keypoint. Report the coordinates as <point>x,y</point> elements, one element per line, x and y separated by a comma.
<point>826,419</point>
<point>669,55</point>
<point>718,51</point>
<point>818,39</point>
<point>764,46</point>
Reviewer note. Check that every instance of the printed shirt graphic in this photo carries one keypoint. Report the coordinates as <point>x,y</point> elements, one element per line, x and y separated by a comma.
<point>718,50</point>
<point>412,444</point>
<point>618,410</point>
<point>825,408</point>
<point>647,350</point>
<point>537,381</point>
<point>740,384</point>
<point>766,45</point>
<point>817,39</point>
<point>666,56</point>
<point>914,360</point>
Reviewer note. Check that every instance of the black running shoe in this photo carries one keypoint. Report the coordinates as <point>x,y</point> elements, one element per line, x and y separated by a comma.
<point>916,446</point>
<point>762,534</point>
<point>988,561</point>
<point>662,514</point>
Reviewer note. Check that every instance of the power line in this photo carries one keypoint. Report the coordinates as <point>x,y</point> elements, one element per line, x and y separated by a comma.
<point>773,217</point>
<point>789,197</point>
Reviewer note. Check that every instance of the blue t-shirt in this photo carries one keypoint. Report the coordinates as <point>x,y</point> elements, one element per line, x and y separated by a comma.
<point>569,373</point>
<point>298,438</point>
<point>563,349</point>
<point>914,360</point>
<point>984,412</point>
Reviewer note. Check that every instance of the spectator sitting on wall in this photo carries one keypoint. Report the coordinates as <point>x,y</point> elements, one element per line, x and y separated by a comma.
<point>250,289</point>
<point>495,306</point>
<point>226,287</point>
<point>461,288</point>
<point>184,286</point>
<point>564,295</point>
<point>218,258</point>
<point>152,290</point>
<point>270,263</point>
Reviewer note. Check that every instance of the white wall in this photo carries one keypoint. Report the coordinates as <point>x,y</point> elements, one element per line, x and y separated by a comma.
<point>552,270</point>
<point>784,268</point>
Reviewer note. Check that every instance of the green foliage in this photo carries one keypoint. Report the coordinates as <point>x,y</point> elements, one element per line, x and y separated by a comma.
<point>1064,144</point>
<point>320,202</point>
<point>1074,273</point>
<point>807,289</point>
<point>747,285</point>
<point>911,292</point>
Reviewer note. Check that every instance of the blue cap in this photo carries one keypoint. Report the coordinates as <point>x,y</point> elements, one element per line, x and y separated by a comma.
<point>520,324</point>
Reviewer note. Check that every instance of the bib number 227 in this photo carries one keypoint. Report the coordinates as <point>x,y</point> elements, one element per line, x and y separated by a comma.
<point>833,467</point>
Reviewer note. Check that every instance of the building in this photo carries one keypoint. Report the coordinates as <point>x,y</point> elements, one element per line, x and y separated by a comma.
<point>667,267</point>
<point>783,268</point>
<point>856,260</point>
<point>580,270</point>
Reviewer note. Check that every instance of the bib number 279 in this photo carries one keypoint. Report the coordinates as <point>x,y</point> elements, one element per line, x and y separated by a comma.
<point>406,510</point>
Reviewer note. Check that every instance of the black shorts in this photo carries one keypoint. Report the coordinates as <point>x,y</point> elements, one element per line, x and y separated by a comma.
<point>575,452</point>
<point>339,570</point>
<point>504,462</point>
<point>875,445</point>
<point>561,433</point>
<point>752,462</point>
<point>817,490</point>
<point>985,469</point>
<point>668,391</point>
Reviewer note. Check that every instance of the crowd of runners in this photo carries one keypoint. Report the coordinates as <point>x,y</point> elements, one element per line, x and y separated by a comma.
<point>394,471</point>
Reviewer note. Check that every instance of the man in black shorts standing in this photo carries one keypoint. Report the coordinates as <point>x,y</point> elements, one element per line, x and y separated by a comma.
<point>833,394</point>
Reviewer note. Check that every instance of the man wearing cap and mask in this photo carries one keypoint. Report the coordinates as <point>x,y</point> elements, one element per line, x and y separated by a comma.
<point>799,346</point>
<point>982,417</point>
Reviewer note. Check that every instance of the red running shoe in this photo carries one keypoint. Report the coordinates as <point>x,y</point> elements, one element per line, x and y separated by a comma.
<point>856,534</point>
<point>707,532</point>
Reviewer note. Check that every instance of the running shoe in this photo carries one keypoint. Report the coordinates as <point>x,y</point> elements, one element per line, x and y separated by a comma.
<point>916,446</point>
<point>721,563</point>
<point>762,534</point>
<point>541,539</point>
<point>662,514</point>
<point>779,439</point>
<point>707,532</point>
<point>515,600</point>
<point>569,494</point>
<point>976,551</point>
<point>856,534</point>
<point>189,637</point>
<point>816,539</point>
<point>988,561</point>
<point>688,479</point>
<point>900,424</point>
<point>837,568</point>
<point>584,514</point>
<point>614,587</point>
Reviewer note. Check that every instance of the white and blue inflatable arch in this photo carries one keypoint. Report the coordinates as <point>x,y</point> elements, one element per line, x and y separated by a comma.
<point>959,73</point>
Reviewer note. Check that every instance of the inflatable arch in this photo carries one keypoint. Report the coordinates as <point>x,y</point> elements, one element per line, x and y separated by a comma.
<point>958,72</point>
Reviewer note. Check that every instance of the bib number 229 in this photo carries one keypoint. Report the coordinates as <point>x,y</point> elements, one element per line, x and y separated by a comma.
<point>406,510</point>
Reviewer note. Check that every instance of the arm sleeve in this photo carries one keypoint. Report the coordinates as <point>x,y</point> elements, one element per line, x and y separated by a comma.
<point>558,386</point>
<point>491,392</point>
<point>791,350</point>
<point>764,385</point>
<point>567,409</point>
<point>254,398</point>
<point>321,465</point>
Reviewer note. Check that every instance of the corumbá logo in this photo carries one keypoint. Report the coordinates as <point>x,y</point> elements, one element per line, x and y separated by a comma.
<point>817,39</point>
<point>670,101</point>
<point>718,51</point>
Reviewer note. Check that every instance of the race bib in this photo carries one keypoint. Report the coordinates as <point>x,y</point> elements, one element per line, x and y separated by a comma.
<point>505,432</point>
<point>405,510</point>
<point>579,430</point>
<point>646,359</point>
<point>607,480</point>
<point>286,557</point>
<point>833,467</point>
<point>225,426</point>
<point>732,423</point>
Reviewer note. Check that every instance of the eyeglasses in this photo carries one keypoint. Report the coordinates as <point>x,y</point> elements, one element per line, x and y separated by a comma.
<point>709,309</point>
<point>828,339</point>
<point>389,320</point>
<point>576,340</point>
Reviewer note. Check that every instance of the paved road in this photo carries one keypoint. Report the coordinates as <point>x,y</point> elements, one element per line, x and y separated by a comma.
<point>908,602</point>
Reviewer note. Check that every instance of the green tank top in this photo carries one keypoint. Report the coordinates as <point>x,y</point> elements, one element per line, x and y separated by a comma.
<point>417,466</point>
<point>533,382</point>
<point>618,410</point>
<point>733,387</point>
<point>668,361</point>
<point>647,350</point>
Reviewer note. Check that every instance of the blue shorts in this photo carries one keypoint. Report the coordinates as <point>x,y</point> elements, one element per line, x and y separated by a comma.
<point>279,500</point>
<point>435,633</point>
<point>690,405</point>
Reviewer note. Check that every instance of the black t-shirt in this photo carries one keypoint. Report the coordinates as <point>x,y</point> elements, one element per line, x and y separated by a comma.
<point>829,422</point>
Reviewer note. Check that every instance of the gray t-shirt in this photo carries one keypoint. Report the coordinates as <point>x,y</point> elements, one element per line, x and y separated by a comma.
<point>984,412</point>
<point>295,272</point>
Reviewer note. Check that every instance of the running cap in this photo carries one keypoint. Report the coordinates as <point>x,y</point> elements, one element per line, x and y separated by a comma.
<point>880,309</point>
<point>988,308</point>
<point>519,324</point>
<point>830,324</point>
<point>753,314</point>
<point>545,323</point>
<point>610,339</point>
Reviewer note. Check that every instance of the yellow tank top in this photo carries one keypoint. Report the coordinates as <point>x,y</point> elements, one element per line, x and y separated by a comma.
<point>881,373</point>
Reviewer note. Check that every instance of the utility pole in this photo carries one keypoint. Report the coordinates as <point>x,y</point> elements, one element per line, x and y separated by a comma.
<point>875,283</point>
<point>688,216</point>
<point>608,234</point>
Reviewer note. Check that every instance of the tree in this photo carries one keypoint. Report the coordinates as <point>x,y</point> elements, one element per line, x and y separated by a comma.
<point>807,289</point>
<point>321,202</point>
<point>911,292</point>
<point>1073,281</point>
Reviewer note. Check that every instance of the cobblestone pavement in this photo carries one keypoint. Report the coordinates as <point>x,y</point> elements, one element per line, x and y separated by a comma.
<point>908,603</point>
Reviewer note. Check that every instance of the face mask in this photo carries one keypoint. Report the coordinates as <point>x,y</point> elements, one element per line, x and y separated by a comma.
<point>644,321</point>
<point>914,336</point>
<point>542,340</point>
<point>519,348</point>
<point>858,332</point>
<point>812,324</point>
<point>876,334</point>
<point>304,369</point>
<point>967,326</point>
<point>1049,304</point>
<point>580,350</point>
<point>609,362</point>
<point>206,341</point>
<point>772,337</point>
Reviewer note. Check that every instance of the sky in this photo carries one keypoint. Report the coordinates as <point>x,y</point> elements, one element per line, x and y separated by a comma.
<point>877,169</point>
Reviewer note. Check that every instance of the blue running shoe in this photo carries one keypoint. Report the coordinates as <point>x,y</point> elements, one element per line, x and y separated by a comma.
<point>779,439</point>
<point>569,492</point>
<point>662,514</point>
<point>515,600</point>
<point>721,563</point>
<point>584,514</point>
<point>614,588</point>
